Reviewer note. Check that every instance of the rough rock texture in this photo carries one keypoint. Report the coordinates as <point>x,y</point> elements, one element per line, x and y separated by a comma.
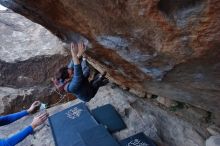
<point>166,101</point>
<point>31,72</point>
<point>161,47</point>
<point>13,100</point>
<point>140,115</point>
<point>29,56</point>
<point>213,130</point>
<point>22,39</point>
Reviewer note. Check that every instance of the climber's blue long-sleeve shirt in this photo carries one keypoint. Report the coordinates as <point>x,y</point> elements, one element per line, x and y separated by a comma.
<point>80,85</point>
<point>18,137</point>
<point>84,65</point>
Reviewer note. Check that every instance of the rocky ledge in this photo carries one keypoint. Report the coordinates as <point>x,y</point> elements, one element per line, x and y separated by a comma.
<point>156,46</point>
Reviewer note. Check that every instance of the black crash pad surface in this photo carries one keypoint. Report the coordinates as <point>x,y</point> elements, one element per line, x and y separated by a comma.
<point>67,124</point>
<point>98,136</point>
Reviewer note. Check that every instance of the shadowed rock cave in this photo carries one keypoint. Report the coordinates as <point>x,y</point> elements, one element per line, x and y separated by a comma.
<point>161,57</point>
<point>182,10</point>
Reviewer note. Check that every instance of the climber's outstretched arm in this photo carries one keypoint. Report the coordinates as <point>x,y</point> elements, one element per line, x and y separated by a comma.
<point>4,120</point>
<point>18,137</point>
<point>78,74</point>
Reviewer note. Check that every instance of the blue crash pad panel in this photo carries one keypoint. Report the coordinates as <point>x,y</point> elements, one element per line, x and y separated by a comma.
<point>139,139</point>
<point>109,117</point>
<point>98,136</point>
<point>67,124</point>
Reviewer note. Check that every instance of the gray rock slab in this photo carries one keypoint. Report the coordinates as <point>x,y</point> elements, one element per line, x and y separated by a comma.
<point>21,39</point>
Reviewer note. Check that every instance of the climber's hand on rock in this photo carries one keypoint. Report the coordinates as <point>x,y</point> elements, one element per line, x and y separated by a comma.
<point>38,120</point>
<point>81,49</point>
<point>74,50</point>
<point>34,107</point>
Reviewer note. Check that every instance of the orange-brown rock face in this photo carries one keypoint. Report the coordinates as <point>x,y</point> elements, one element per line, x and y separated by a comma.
<point>169,48</point>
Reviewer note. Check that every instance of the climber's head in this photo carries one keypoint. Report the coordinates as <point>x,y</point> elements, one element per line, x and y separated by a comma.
<point>62,76</point>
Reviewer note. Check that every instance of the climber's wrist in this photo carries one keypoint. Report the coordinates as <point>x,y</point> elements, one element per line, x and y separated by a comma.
<point>76,60</point>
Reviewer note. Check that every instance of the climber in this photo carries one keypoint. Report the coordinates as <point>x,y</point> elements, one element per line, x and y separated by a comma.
<point>18,137</point>
<point>65,74</point>
<point>74,77</point>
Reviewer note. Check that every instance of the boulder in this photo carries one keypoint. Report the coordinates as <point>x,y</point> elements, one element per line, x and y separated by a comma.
<point>157,46</point>
<point>21,39</point>
<point>29,53</point>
